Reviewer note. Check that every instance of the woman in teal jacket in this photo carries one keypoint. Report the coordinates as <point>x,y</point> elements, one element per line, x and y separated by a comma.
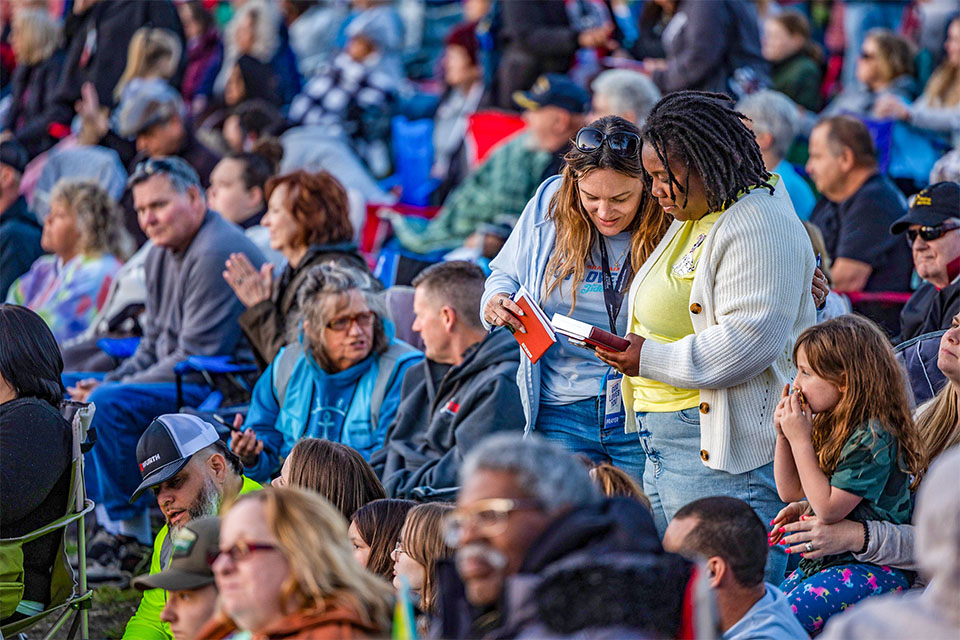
<point>340,381</point>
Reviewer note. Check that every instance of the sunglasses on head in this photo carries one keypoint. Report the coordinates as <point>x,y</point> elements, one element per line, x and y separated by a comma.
<point>623,143</point>
<point>159,166</point>
<point>931,233</point>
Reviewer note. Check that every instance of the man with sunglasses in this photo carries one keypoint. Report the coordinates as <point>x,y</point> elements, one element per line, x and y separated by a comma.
<point>190,310</point>
<point>932,227</point>
<point>858,205</point>
<point>192,473</point>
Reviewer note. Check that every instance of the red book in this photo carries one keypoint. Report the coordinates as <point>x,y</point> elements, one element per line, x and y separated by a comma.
<point>578,331</point>
<point>539,336</point>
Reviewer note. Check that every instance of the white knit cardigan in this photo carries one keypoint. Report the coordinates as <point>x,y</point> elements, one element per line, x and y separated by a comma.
<point>751,294</point>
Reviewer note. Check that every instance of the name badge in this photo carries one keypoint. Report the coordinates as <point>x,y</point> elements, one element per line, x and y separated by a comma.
<point>613,411</point>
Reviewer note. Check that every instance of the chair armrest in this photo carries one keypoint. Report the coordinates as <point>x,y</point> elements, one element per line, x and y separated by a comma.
<point>118,347</point>
<point>213,364</point>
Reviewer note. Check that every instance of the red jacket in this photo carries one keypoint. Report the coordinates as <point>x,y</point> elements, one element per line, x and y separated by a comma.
<point>337,623</point>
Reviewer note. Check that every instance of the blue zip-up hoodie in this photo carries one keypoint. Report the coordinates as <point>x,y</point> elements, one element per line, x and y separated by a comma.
<point>523,261</point>
<point>333,406</point>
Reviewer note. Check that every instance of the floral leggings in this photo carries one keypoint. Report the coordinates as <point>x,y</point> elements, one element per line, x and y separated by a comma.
<point>835,589</point>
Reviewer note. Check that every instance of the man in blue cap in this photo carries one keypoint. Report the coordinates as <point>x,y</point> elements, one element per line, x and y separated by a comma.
<point>192,472</point>
<point>554,110</point>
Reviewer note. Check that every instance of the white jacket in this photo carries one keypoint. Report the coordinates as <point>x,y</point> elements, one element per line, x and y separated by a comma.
<point>749,302</point>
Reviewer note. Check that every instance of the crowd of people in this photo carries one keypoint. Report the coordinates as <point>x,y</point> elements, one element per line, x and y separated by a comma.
<point>280,245</point>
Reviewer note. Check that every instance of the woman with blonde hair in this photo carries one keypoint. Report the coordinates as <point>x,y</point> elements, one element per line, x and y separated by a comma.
<point>35,39</point>
<point>85,239</point>
<point>938,109</point>
<point>420,548</point>
<point>153,53</point>
<point>575,249</point>
<point>285,569</point>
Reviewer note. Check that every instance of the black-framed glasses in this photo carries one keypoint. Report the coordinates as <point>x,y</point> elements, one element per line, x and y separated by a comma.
<point>931,232</point>
<point>163,166</point>
<point>623,143</point>
<point>242,549</point>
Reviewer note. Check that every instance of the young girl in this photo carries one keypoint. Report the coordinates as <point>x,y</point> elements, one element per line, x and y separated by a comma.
<point>846,442</point>
<point>420,548</point>
<point>374,532</point>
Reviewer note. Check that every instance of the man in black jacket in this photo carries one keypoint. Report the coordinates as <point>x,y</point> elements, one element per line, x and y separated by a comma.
<point>539,553</point>
<point>933,229</point>
<point>463,391</point>
<point>19,228</point>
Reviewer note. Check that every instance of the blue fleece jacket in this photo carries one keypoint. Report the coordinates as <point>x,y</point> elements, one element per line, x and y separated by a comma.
<point>333,406</point>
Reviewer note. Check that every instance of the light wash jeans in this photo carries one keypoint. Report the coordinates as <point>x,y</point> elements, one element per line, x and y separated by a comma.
<point>580,428</point>
<point>676,476</point>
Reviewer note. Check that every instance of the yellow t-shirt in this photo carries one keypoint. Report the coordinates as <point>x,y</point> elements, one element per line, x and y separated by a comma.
<point>662,311</point>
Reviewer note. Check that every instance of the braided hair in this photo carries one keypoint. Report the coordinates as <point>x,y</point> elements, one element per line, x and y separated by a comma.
<point>703,131</point>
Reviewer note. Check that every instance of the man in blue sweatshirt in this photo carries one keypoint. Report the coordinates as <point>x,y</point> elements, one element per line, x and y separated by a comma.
<point>190,310</point>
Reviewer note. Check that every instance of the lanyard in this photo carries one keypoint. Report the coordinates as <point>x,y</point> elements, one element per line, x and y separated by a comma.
<point>613,295</point>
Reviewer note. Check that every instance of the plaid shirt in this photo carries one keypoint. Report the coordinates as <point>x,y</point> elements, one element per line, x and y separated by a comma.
<point>349,97</point>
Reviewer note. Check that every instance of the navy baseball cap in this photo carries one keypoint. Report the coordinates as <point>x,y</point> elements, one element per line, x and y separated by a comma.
<point>554,90</point>
<point>933,206</point>
<point>13,155</point>
<point>166,446</point>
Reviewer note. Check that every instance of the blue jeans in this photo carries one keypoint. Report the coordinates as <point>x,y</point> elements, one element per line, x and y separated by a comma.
<point>675,476</point>
<point>580,428</point>
<point>124,411</point>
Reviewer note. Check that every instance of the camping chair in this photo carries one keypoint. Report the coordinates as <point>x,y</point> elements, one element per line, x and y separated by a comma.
<point>67,594</point>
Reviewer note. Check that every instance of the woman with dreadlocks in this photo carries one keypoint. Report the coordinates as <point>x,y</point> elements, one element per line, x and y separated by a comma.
<point>575,248</point>
<point>714,312</point>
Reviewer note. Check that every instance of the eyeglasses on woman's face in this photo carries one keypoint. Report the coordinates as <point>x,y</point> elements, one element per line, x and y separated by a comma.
<point>241,550</point>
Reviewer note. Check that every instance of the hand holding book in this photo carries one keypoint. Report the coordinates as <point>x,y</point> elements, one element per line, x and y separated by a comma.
<point>627,361</point>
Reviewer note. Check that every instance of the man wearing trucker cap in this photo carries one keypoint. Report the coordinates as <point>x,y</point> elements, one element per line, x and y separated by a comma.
<point>188,581</point>
<point>192,472</point>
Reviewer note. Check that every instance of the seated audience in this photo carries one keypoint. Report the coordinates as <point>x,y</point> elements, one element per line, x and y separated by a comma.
<point>380,20</point>
<point>340,380</point>
<point>188,581</point>
<point>464,390</point>
<point>526,508</point>
<point>335,471</point>
<point>248,80</point>
<point>727,535</point>
<point>847,443</point>
<point>313,30</point>
<point>554,111</point>
<point>307,217</point>
<point>938,109</point>
<point>285,570</point>
<point>155,117</point>
<point>947,168</point>
<point>774,121</point>
<point>463,91</point>
<point>712,47</point>
<point>190,311</point>
<point>192,473</point>
<point>153,54</point>
<point>855,213</point>
<point>795,59</point>
<point>625,93</point>
<point>35,449</point>
<point>419,549</point>
<point>932,227</point>
<point>34,36</point>
<point>884,65</point>
<point>19,229</point>
<point>86,242</point>
<point>932,612</point>
<point>248,122</point>
<point>374,532</point>
<point>203,55</point>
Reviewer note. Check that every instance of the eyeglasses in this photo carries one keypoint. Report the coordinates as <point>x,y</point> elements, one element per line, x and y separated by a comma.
<point>489,517</point>
<point>397,550</point>
<point>239,551</point>
<point>163,166</point>
<point>623,143</point>
<point>931,233</point>
<point>364,321</point>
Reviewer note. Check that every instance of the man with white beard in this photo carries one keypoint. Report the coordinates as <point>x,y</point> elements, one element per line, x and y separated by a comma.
<point>192,472</point>
<point>526,510</point>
